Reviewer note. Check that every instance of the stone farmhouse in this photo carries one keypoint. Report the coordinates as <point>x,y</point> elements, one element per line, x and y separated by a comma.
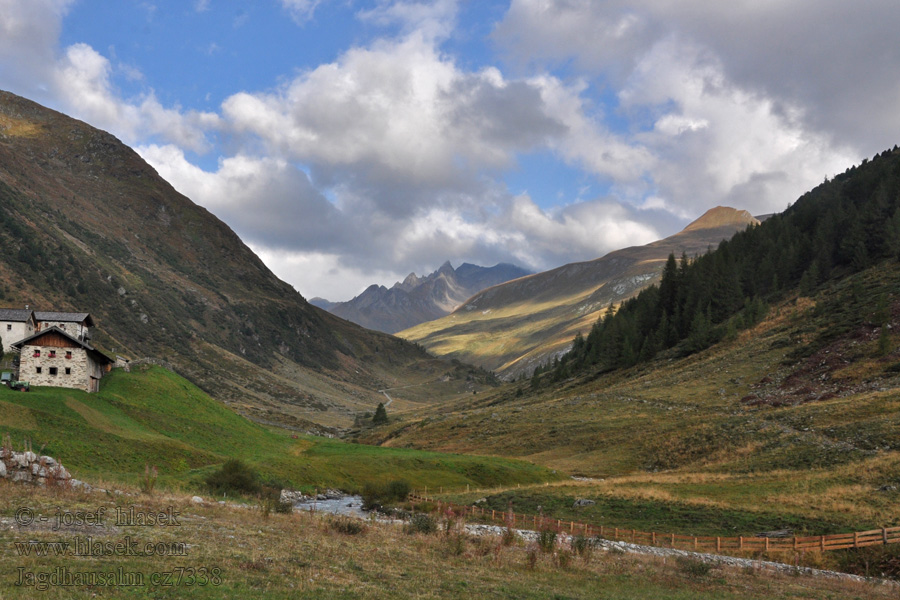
<point>15,325</point>
<point>54,348</point>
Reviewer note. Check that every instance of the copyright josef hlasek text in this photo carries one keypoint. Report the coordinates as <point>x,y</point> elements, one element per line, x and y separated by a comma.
<point>100,544</point>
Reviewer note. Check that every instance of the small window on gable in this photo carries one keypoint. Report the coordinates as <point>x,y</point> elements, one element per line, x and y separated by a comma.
<point>53,370</point>
<point>68,370</point>
<point>37,369</point>
<point>52,354</point>
<point>68,354</point>
<point>8,327</point>
<point>37,354</point>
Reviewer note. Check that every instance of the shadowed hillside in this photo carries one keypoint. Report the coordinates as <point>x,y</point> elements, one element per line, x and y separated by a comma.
<point>87,225</point>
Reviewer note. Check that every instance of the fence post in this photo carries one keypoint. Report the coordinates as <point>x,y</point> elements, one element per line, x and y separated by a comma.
<point>856,539</point>
<point>740,542</point>
<point>652,538</point>
<point>795,543</point>
<point>767,544</point>
<point>632,536</point>
<point>884,535</point>
<point>822,542</point>
<point>695,542</point>
<point>718,544</point>
<point>673,540</point>
<point>571,526</point>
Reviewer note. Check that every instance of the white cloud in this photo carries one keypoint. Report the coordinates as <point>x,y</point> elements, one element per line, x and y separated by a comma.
<point>84,74</point>
<point>78,79</point>
<point>711,81</point>
<point>390,159</point>
<point>301,10</point>
<point>397,125</point>
<point>719,144</point>
<point>267,201</point>
<point>433,19</point>
<point>323,274</point>
<point>28,39</point>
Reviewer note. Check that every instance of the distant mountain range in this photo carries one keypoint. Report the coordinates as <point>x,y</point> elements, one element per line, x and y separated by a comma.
<point>416,299</point>
<point>513,327</point>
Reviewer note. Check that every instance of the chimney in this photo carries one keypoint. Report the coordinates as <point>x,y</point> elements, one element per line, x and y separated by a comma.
<point>26,307</point>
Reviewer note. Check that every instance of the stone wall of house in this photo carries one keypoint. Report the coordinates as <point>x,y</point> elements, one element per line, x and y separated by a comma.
<point>13,332</point>
<point>81,367</point>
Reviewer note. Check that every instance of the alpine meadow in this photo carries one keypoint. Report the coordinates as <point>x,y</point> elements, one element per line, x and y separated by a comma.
<point>613,300</point>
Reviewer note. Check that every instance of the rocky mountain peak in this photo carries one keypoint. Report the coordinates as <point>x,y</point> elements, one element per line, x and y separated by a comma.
<point>722,216</point>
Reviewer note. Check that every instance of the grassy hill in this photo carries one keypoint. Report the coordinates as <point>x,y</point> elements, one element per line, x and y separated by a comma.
<point>153,416</point>
<point>756,389</point>
<point>513,327</point>
<point>791,424</point>
<point>87,225</point>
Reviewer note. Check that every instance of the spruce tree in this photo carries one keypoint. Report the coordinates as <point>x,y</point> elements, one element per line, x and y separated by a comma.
<point>380,417</point>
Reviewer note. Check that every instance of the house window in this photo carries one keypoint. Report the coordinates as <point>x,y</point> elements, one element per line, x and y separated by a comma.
<point>37,370</point>
<point>8,327</point>
<point>53,370</point>
<point>68,354</point>
<point>68,370</point>
<point>37,354</point>
<point>53,354</point>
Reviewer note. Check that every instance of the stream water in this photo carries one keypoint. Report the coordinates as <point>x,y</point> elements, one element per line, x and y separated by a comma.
<point>346,505</point>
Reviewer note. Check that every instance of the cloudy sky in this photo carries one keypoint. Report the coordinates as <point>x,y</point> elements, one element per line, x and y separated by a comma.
<point>351,142</point>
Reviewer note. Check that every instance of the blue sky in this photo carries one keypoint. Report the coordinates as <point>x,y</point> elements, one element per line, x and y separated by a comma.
<point>351,142</point>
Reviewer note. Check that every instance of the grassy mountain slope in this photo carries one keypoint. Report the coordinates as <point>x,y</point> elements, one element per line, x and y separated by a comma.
<point>513,327</point>
<point>87,225</point>
<point>153,416</point>
<point>789,420</point>
<point>791,424</point>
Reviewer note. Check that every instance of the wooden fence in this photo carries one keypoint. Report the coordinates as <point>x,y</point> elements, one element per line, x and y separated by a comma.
<point>837,541</point>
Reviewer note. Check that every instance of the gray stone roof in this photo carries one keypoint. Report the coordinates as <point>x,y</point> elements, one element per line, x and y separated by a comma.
<point>15,315</point>
<point>63,317</point>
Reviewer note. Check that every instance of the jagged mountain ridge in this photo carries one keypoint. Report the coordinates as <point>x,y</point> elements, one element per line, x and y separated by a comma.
<point>88,225</point>
<point>419,299</point>
<point>513,327</point>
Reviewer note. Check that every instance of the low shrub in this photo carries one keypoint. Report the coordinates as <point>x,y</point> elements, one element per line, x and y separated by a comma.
<point>420,523</point>
<point>546,540</point>
<point>234,476</point>
<point>582,546</point>
<point>346,525</point>
<point>693,568</point>
<point>376,495</point>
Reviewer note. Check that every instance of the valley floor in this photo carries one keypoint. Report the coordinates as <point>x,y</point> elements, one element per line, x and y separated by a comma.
<point>239,552</point>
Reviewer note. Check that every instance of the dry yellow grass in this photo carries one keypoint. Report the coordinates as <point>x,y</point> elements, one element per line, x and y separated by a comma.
<point>313,556</point>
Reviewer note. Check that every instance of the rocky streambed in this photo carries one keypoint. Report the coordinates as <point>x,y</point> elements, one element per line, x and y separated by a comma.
<point>331,501</point>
